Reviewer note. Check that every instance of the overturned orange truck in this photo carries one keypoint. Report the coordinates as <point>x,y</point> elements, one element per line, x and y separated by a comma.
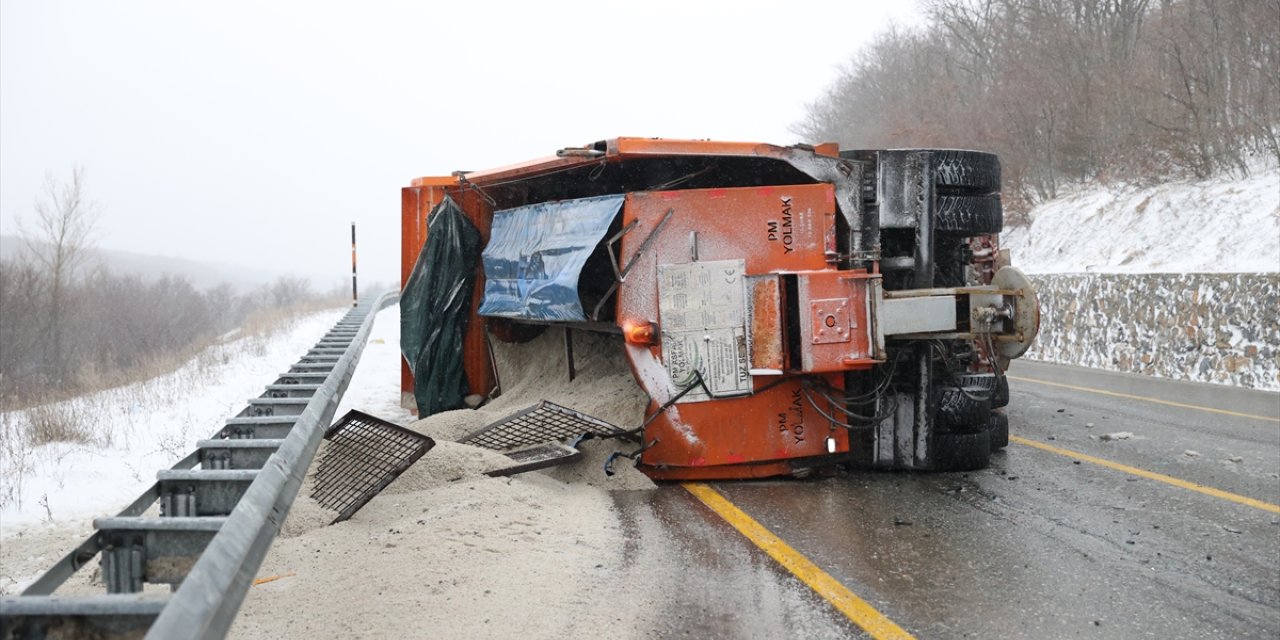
<point>786,309</point>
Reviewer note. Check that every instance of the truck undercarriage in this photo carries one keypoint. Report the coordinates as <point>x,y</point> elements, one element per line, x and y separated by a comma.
<point>786,309</point>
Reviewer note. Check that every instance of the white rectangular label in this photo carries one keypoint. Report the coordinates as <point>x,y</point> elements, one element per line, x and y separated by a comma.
<point>702,309</point>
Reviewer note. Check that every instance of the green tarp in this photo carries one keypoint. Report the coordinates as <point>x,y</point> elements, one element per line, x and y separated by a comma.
<point>435,307</point>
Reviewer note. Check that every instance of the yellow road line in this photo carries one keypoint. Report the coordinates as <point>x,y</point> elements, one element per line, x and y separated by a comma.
<point>1151,475</point>
<point>857,609</point>
<point>1126,396</point>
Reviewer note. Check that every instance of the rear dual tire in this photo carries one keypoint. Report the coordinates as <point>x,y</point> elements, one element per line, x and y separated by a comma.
<point>955,451</point>
<point>962,451</point>
<point>963,409</point>
<point>968,215</point>
<point>968,172</point>
<point>998,428</point>
<point>990,383</point>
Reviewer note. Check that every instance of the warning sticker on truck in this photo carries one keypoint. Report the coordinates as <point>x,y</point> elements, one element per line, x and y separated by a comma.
<point>702,309</point>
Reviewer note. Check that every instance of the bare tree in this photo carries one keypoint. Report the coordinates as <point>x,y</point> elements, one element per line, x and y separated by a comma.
<point>22,288</point>
<point>1070,91</point>
<point>66,329</point>
<point>60,242</point>
<point>287,291</point>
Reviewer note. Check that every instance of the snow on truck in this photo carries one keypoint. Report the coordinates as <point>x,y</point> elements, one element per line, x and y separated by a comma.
<point>786,309</point>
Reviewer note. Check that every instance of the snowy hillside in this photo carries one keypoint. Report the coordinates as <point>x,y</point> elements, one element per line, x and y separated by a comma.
<point>1224,225</point>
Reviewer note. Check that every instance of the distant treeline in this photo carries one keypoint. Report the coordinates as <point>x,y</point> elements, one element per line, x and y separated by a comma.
<point>106,329</point>
<point>1070,90</point>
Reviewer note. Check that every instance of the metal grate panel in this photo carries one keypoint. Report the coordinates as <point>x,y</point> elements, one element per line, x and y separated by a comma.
<point>539,456</point>
<point>363,456</point>
<point>541,423</point>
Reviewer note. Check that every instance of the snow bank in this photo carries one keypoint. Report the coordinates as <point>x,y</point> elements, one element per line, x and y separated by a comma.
<point>1224,225</point>
<point>137,430</point>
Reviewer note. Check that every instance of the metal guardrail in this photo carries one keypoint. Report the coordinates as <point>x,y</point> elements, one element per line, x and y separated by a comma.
<point>217,521</point>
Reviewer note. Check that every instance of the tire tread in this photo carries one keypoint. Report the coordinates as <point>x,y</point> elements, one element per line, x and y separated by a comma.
<point>974,172</point>
<point>962,451</point>
<point>969,215</point>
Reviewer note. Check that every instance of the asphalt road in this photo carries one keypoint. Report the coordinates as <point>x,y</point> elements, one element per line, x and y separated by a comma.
<point>1044,544</point>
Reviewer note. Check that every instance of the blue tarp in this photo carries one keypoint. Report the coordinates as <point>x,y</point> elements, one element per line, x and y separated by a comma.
<point>535,256</point>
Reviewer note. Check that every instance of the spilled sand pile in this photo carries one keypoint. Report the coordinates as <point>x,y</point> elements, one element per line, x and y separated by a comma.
<point>448,552</point>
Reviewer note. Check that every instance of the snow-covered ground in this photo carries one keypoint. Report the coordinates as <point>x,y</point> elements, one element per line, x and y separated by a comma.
<point>154,424</point>
<point>1223,225</point>
<point>375,386</point>
<point>138,429</point>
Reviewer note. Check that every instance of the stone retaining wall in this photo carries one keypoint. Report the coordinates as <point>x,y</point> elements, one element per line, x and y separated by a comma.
<point>1221,328</point>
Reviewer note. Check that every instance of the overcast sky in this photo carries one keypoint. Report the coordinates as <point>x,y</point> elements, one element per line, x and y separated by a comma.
<point>253,133</point>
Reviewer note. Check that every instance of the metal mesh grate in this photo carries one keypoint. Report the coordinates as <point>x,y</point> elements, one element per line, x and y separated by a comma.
<point>539,456</point>
<point>543,422</point>
<point>363,456</point>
